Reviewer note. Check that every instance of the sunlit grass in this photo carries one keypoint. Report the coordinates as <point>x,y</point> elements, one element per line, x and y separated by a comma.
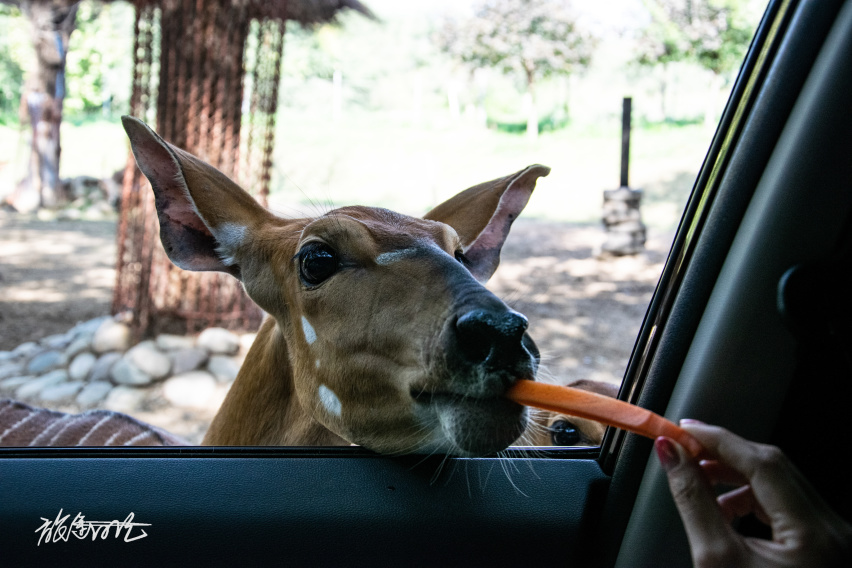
<point>383,160</point>
<point>387,160</point>
<point>96,148</point>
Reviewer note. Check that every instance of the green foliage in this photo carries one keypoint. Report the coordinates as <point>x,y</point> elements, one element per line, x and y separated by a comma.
<point>381,62</point>
<point>504,107</point>
<point>532,38</point>
<point>15,56</point>
<point>712,33</point>
<point>311,53</point>
<point>99,64</point>
<point>518,125</point>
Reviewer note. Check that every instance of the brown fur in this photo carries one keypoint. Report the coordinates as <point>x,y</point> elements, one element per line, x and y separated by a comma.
<point>382,353</point>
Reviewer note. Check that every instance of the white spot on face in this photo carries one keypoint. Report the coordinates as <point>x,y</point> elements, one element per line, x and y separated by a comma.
<point>229,236</point>
<point>308,329</point>
<point>390,257</point>
<point>329,400</point>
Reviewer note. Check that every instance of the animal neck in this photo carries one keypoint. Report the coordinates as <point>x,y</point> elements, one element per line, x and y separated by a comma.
<point>262,408</point>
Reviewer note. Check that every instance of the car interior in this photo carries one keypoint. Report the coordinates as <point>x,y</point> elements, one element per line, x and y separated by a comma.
<point>749,328</point>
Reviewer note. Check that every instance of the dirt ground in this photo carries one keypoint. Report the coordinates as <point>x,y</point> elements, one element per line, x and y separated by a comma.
<point>53,274</point>
<point>584,311</point>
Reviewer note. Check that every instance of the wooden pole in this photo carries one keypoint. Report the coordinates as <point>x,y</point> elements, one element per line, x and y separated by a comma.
<point>626,105</point>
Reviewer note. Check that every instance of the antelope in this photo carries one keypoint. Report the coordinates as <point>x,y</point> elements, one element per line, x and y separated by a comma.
<point>554,429</point>
<point>379,330</point>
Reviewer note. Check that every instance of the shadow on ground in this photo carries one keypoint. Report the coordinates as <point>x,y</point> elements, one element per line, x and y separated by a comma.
<point>53,274</point>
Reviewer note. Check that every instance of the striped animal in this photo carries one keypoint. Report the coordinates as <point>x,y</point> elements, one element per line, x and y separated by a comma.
<point>24,425</point>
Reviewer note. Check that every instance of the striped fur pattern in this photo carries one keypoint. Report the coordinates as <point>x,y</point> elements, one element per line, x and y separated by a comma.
<point>24,425</point>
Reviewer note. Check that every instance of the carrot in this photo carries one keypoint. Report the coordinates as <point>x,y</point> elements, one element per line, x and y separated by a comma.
<point>611,411</point>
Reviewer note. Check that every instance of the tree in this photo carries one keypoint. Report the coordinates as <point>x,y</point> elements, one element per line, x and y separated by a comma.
<point>711,33</point>
<point>13,59</point>
<point>531,38</point>
<point>100,60</point>
<point>51,24</point>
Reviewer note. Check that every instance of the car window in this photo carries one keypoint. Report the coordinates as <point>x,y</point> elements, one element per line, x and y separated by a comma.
<point>407,131</point>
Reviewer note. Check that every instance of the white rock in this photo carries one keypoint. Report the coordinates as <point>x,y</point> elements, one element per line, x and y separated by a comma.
<point>10,369</point>
<point>33,387</point>
<point>191,390</point>
<point>168,342</point>
<point>46,361</point>
<point>62,391</point>
<point>57,341</point>
<point>87,329</point>
<point>124,372</point>
<point>149,359</point>
<point>185,360</point>
<point>125,399</point>
<point>103,366</point>
<point>93,393</point>
<point>14,382</point>
<point>224,368</point>
<point>111,336</point>
<point>219,340</point>
<point>81,366</point>
<point>27,349</point>
<point>78,346</point>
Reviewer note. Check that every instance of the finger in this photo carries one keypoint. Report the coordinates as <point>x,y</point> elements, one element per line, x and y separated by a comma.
<point>718,472</point>
<point>706,526</point>
<point>776,483</point>
<point>741,502</point>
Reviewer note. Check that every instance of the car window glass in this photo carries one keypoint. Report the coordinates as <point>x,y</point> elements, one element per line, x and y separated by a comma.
<point>399,112</point>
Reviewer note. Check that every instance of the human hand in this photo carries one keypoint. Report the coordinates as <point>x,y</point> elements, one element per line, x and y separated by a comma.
<point>805,531</point>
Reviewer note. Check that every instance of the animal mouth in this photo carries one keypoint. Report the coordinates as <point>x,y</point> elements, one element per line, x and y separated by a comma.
<point>425,397</point>
<point>474,425</point>
<point>430,397</point>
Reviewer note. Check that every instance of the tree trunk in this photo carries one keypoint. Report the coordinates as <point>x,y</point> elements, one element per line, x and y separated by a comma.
<point>51,24</point>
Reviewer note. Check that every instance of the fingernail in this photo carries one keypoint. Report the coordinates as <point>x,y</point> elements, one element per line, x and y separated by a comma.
<point>690,421</point>
<point>668,454</point>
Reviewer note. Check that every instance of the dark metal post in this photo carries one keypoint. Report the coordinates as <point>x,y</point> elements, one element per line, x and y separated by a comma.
<point>621,217</point>
<point>626,105</point>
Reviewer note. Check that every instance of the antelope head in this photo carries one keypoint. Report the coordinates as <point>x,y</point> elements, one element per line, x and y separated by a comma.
<point>380,330</point>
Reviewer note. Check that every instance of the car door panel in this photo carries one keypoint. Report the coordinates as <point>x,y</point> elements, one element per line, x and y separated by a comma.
<point>328,506</point>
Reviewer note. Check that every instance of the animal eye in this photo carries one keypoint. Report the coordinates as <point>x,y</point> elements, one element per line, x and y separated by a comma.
<point>563,433</point>
<point>317,262</point>
<point>461,257</point>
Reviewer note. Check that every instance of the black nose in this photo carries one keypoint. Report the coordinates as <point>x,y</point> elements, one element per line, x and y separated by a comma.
<point>491,339</point>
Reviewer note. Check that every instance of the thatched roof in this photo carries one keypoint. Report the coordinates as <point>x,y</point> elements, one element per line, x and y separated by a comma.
<point>308,12</point>
<point>305,12</point>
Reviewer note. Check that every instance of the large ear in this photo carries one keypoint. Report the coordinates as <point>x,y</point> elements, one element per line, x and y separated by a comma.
<point>483,214</point>
<point>204,216</point>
